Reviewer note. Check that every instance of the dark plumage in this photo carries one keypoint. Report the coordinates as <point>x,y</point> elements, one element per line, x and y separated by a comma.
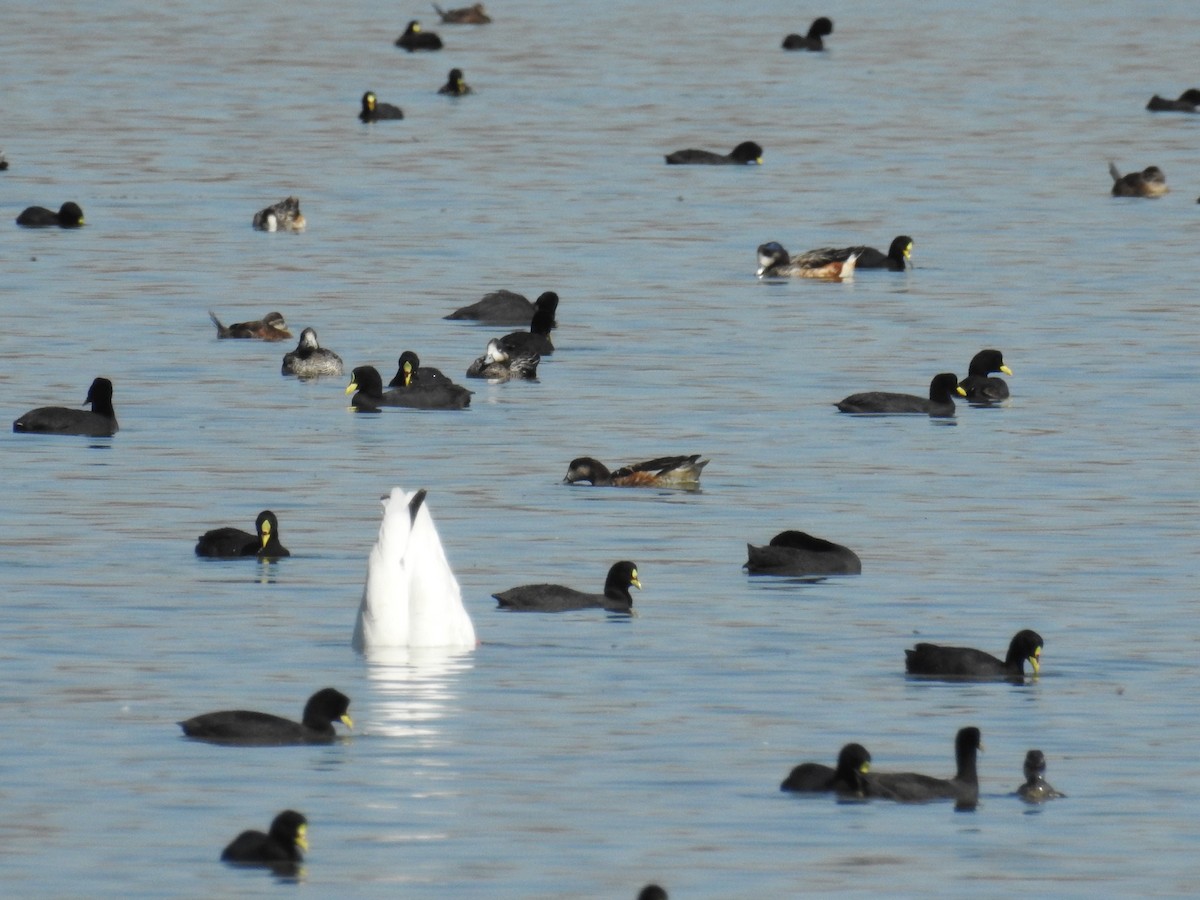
<point>557,598</point>
<point>232,543</point>
<point>498,365</point>
<point>853,763</point>
<point>1188,102</point>
<point>665,471</point>
<point>798,553</point>
<point>282,216</point>
<point>820,28</point>
<point>310,359</point>
<point>370,396</point>
<point>1036,789</point>
<point>467,15</point>
<point>895,260</point>
<point>537,339</point>
<point>101,421</point>
<point>247,728</point>
<point>745,153</point>
<point>1150,182</point>
<point>505,308</point>
<point>410,372</point>
<point>415,39</point>
<point>775,262</point>
<point>374,111</point>
<point>967,663</point>
<point>940,402</point>
<point>455,86</point>
<point>279,849</point>
<point>912,787</point>
<point>652,892</point>
<point>979,386</point>
<point>270,327</point>
<point>69,215</point>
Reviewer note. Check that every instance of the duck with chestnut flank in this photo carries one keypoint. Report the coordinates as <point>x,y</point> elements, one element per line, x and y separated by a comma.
<point>665,471</point>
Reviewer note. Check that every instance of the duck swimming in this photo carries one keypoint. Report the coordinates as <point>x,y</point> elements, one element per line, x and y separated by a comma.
<point>474,14</point>
<point>979,386</point>
<point>370,396</point>
<point>69,215</point>
<point>310,359</point>
<point>101,421</point>
<point>282,216</point>
<point>455,86</point>
<point>774,262</point>
<point>270,327</point>
<point>967,663</point>
<point>232,543</point>
<point>797,553</point>
<point>1036,789</point>
<point>912,787</point>
<point>535,341</point>
<point>497,365</point>
<point>895,260</point>
<point>411,597</point>
<point>507,308</point>
<point>822,27</point>
<point>939,404</point>
<point>410,372</point>
<point>374,111</point>
<point>1188,102</point>
<point>558,598</point>
<point>279,849</point>
<point>853,762</point>
<point>1150,182</point>
<point>415,39</point>
<point>745,153</point>
<point>665,471</point>
<point>246,728</point>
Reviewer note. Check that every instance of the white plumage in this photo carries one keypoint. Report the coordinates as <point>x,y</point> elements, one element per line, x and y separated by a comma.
<point>411,598</point>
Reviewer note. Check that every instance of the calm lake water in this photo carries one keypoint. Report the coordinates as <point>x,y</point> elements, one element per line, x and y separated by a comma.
<point>574,755</point>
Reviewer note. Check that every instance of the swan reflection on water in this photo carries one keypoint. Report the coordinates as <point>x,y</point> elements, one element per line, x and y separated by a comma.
<point>414,687</point>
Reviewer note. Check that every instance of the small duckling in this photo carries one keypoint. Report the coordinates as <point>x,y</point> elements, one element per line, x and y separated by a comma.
<point>310,359</point>
<point>774,262</point>
<point>467,15</point>
<point>69,215</point>
<point>820,28</point>
<point>374,111</point>
<point>1036,789</point>
<point>282,216</point>
<point>455,86</point>
<point>415,39</point>
<point>744,154</point>
<point>1150,182</point>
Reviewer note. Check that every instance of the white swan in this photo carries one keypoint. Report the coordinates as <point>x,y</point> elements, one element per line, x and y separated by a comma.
<point>411,598</point>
